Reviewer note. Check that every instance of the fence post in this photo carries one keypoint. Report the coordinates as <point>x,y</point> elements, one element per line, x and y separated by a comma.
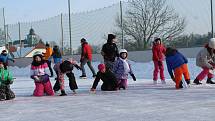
<point>20,41</point>
<point>62,37</point>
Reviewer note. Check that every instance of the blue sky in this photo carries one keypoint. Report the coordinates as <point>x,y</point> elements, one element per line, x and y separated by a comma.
<point>33,10</point>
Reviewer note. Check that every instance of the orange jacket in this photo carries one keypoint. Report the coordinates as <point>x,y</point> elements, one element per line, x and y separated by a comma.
<point>48,53</point>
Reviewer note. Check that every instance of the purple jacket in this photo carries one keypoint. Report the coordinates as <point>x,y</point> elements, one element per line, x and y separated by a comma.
<point>120,71</point>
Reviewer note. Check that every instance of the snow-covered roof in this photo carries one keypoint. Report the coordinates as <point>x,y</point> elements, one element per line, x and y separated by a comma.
<point>24,52</point>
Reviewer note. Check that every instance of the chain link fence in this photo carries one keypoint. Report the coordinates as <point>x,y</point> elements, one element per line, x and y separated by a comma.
<point>96,24</point>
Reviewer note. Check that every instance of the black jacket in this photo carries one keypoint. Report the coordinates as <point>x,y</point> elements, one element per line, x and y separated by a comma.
<point>109,81</point>
<point>110,51</point>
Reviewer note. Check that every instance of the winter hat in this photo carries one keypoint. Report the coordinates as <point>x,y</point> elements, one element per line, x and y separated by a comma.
<point>47,45</point>
<point>83,40</point>
<point>157,39</point>
<point>211,43</point>
<point>101,67</point>
<point>111,37</point>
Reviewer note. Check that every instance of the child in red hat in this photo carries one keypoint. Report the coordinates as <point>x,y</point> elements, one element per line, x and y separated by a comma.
<point>108,78</point>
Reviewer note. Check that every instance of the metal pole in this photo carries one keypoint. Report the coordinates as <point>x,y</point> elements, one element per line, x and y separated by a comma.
<point>4,22</point>
<point>6,27</point>
<point>62,37</point>
<point>212,28</point>
<point>70,34</point>
<point>121,24</point>
<point>20,42</point>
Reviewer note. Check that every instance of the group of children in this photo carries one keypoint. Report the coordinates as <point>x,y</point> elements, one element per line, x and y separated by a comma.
<point>114,78</point>
<point>177,63</point>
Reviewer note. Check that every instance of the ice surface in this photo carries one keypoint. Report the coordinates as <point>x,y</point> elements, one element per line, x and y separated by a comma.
<point>142,101</point>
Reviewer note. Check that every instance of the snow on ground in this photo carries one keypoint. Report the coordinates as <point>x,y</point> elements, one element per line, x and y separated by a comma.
<point>142,101</point>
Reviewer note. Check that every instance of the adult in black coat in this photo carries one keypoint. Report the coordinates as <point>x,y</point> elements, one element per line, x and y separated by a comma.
<point>110,51</point>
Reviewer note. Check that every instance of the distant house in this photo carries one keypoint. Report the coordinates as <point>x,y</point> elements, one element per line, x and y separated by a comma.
<point>28,51</point>
<point>39,47</point>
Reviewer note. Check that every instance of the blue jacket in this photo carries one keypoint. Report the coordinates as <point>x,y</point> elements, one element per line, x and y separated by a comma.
<point>5,58</point>
<point>175,61</point>
<point>57,59</point>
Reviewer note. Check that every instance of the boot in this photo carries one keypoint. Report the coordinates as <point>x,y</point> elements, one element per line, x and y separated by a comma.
<point>63,93</point>
<point>180,85</point>
<point>196,81</point>
<point>209,81</point>
<point>188,81</point>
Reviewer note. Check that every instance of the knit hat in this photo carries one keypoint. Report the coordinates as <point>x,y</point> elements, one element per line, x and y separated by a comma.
<point>47,44</point>
<point>111,37</point>
<point>101,67</point>
<point>211,43</point>
<point>157,39</point>
<point>83,40</point>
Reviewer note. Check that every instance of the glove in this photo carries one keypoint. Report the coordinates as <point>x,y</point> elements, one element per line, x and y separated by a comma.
<point>133,77</point>
<point>159,63</point>
<point>8,82</point>
<point>36,78</point>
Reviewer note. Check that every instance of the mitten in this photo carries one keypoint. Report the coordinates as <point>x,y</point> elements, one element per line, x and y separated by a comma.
<point>133,77</point>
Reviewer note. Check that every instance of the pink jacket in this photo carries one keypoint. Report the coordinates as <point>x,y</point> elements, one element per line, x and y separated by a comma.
<point>39,70</point>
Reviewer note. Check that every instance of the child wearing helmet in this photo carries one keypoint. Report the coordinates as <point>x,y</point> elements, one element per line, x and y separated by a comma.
<point>39,73</point>
<point>122,68</point>
<point>108,78</point>
<point>205,60</point>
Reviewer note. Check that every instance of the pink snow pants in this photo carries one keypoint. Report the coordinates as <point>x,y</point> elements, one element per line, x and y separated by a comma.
<point>204,73</point>
<point>156,71</point>
<point>42,88</point>
<point>122,83</point>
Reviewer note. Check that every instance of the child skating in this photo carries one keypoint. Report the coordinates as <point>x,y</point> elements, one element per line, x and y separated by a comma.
<point>158,51</point>
<point>122,69</point>
<point>6,80</point>
<point>66,67</point>
<point>108,78</point>
<point>205,60</point>
<point>39,73</point>
<point>177,63</point>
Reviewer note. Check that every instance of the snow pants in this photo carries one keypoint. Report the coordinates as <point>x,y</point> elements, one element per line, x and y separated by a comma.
<point>122,83</point>
<point>41,88</point>
<point>59,84</point>
<point>179,72</point>
<point>6,93</point>
<point>205,72</point>
<point>158,68</point>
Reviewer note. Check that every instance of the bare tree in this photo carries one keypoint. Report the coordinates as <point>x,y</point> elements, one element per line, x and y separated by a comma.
<point>146,19</point>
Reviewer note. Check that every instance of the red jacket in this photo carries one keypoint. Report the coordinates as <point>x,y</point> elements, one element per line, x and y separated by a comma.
<point>158,51</point>
<point>86,52</point>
